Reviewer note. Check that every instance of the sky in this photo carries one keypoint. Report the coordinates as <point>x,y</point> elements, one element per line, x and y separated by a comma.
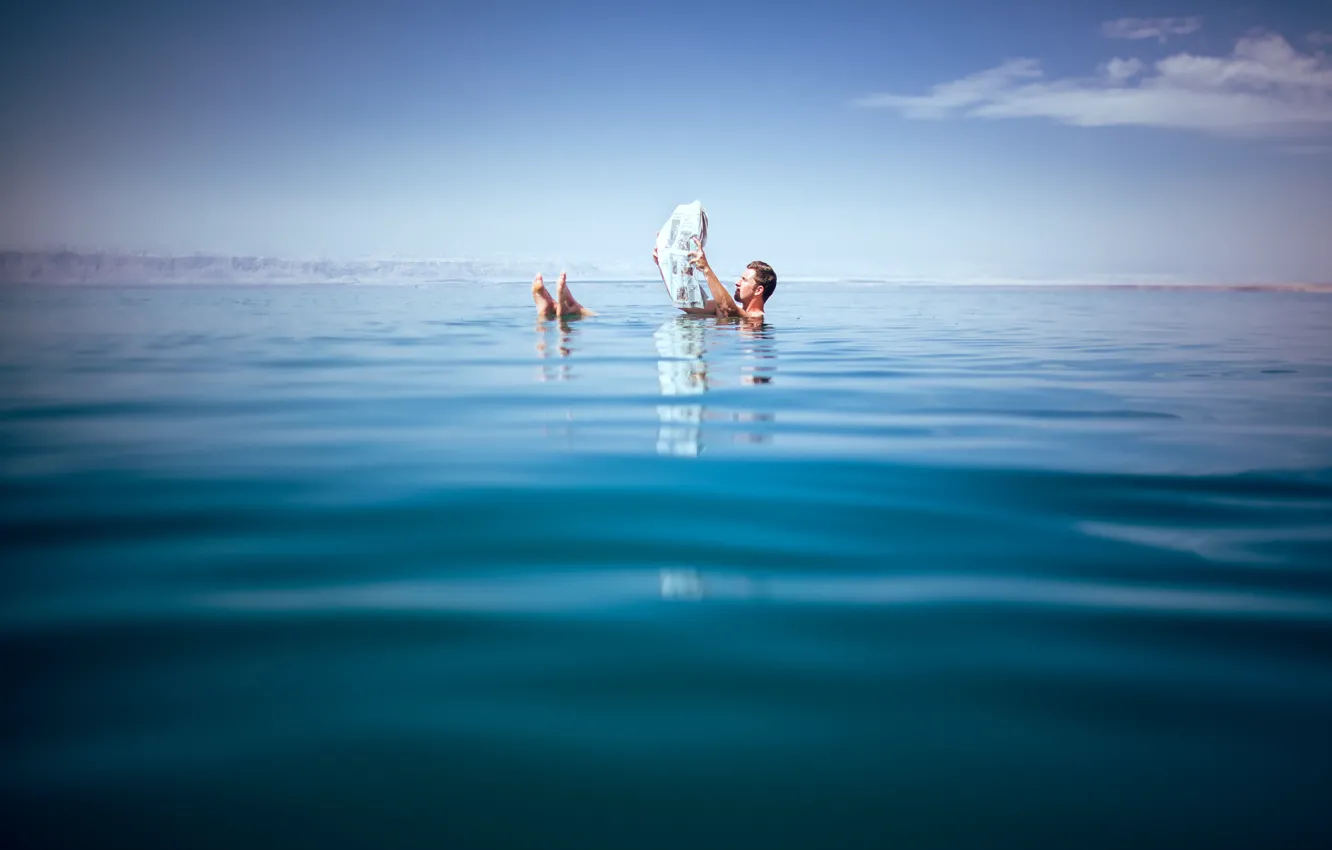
<point>959,139</point>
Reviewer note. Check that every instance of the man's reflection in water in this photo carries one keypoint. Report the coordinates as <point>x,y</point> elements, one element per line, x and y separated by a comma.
<point>682,371</point>
<point>556,337</point>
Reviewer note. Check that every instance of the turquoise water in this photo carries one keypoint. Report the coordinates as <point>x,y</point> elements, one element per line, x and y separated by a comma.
<point>909,567</point>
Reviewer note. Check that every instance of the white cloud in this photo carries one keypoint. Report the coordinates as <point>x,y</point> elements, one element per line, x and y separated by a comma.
<point>1157,28</point>
<point>1121,70</point>
<point>969,91</point>
<point>1264,87</point>
<point>1320,37</point>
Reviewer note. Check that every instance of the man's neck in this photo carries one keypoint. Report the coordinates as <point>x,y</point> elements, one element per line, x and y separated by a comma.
<point>754,305</point>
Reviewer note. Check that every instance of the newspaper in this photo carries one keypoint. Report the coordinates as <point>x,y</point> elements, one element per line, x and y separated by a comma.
<point>685,231</point>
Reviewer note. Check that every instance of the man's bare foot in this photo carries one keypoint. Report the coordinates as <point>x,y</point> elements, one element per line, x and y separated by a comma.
<point>545,305</point>
<point>568,305</point>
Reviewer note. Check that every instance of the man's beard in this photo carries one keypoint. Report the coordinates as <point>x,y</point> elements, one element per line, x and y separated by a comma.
<point>737,293</point>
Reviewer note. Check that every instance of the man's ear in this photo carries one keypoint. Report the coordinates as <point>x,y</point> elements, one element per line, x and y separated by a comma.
<point>759,290</point>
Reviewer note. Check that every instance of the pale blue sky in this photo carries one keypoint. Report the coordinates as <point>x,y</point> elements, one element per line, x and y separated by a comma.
<point>829,139</point>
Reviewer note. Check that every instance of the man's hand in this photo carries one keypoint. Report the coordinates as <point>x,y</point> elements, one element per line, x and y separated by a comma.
<point>698,259</point>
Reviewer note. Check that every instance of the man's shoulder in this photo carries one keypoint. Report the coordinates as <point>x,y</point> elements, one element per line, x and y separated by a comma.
<point>722,311</point>
<point>735,311</point>
<point>747,315</point>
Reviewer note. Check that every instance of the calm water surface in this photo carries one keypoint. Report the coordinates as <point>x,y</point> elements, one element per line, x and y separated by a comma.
<point>909,567</point>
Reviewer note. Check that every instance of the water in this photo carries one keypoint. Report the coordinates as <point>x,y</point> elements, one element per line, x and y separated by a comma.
<point>912,567</point>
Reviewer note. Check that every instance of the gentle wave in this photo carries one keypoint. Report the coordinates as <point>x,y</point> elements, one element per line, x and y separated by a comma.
<point>408,567</point>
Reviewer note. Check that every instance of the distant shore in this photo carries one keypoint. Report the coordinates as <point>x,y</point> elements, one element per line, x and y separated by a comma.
<point>93,267</point>
<point>70,267</point>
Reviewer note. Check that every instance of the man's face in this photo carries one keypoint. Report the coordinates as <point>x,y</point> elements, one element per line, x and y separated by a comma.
<point>744,287</point>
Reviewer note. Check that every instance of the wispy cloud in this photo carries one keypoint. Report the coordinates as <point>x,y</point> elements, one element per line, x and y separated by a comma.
<point>1157,28</point>
<point>1121,70</point>
<point>1318,37</point>
<point>1264,87</point>
<point>946,99</point>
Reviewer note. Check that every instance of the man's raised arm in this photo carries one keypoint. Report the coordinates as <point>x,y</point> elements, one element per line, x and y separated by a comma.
<point>726,305</point>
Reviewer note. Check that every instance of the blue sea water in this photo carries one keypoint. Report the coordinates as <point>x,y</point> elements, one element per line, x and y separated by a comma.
<point>336,566</point>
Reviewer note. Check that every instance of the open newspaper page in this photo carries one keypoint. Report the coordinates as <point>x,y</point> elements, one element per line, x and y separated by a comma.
<point>687,230</point>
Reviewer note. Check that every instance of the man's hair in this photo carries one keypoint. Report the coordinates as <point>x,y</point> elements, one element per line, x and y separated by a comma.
<point>765,277</point>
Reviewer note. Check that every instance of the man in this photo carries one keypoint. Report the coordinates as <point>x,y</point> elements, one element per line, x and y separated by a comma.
<point>752,291</point>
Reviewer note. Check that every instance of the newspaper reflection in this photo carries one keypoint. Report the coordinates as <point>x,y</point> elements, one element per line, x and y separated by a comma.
<point>683,372</point>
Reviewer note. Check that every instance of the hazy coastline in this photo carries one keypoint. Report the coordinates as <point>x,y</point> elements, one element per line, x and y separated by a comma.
<point>106,267</point>
<point>74,267</point>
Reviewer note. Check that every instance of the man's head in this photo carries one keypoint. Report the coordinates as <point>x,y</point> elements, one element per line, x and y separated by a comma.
<point>758,279</point>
